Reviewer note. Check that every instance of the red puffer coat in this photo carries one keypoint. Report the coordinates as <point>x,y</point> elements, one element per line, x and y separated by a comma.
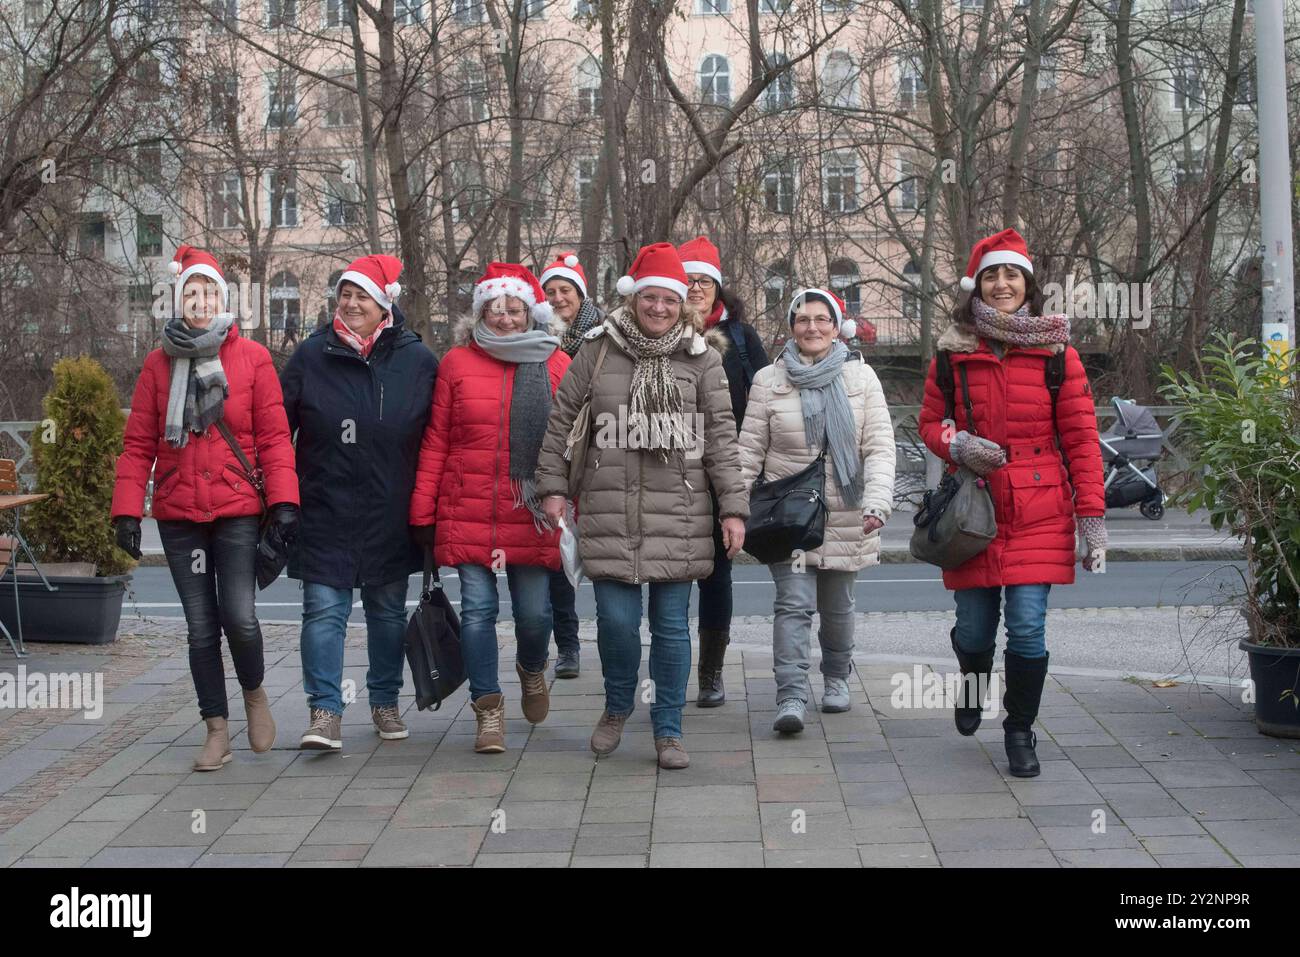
<point>462,484</point>
<point>1035,497</point>
<point>202,481</point>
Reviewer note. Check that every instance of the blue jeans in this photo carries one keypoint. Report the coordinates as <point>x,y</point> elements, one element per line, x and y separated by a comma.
<point>618,637</point>
<point>564,612</point>
<point>1026,612</point>
<point>325,612</point>
<point>530,594</point>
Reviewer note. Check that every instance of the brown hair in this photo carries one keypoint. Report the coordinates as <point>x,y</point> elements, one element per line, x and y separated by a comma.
<point>689,312</point>
<point>963,315</point>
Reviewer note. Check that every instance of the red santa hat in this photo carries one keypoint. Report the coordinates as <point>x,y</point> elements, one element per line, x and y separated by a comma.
<point>377,275</point>
<point>568,268</point>
<point>189,262</point>
<point>1006,247</point>
<point>847,327</point>
<point>512,279</point>
<point>701,256</point>
<point>655,265</point>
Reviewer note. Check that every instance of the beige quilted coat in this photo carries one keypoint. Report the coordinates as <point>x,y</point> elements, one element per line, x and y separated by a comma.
<point>772,443</point>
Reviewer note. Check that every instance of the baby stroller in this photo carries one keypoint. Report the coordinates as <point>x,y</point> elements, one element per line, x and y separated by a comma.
<point>1134,436</point>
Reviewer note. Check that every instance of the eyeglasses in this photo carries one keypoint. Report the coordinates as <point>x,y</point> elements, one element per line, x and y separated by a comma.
<point>512,313</point>
<point>704,282</point>
<point>654,302</point>
<point>802,322</point>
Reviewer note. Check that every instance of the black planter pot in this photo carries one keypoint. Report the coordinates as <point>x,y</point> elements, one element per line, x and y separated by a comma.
<point>83,610</point>
<point>1275,672</point>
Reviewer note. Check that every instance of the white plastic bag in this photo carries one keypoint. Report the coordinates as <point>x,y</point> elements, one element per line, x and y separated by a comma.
<point>569,552</point>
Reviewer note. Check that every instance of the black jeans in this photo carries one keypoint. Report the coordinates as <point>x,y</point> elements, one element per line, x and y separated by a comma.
<point>715,591</point>
<point>212,567</point>
<point>564,613</point>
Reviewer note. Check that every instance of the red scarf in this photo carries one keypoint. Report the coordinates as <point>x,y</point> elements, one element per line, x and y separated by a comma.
<point>361,345</point>
<point>714,317</point>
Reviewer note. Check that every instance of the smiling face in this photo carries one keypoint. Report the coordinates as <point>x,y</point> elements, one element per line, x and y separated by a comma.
<point>1003,287</point>
<point>813,328</point>
<point>359,311</point>
<point>657,310</point>
<point>563,297</point>
<point>505,315</point>
<point>200,302</point>
<point>702,292</point>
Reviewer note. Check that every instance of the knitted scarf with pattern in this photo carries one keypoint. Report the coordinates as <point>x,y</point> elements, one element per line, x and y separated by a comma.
<point>654,387</point>
<point>1019,328</point>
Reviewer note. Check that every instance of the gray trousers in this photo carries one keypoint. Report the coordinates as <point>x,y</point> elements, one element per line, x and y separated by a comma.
<point>798,595</point>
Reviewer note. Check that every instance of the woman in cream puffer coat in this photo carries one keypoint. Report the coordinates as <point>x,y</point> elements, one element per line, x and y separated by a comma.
<point>774,443</point>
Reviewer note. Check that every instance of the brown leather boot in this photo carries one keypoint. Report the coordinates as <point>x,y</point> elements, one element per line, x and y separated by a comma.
<point>490,713</point>
<point>216,748</point>
<point>672,756</point>
<point>536,698</point>
<point>608,733</point>
<point>261,726</point>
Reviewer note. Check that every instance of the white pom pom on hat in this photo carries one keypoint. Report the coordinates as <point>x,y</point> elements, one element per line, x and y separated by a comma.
<point>848,328</point>
<point>570,260</point>
<point>174,268</point>
<point>967,283</point>
<point>393,290</point>
<point>626,285</point>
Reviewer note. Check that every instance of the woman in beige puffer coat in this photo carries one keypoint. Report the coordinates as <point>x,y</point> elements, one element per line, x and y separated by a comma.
<point>774,442</point>
<point>644,513</point>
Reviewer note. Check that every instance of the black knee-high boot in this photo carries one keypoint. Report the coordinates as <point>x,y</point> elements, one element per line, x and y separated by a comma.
<point>970,698</point>
<point>1025,678</point>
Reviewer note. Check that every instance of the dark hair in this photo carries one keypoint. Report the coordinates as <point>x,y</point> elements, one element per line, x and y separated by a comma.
<point>735,308</point>
<point>965,316</point>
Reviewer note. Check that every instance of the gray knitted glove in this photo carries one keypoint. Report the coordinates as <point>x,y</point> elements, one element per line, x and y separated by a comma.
<point>978,454</point>
<point>1093,529</point>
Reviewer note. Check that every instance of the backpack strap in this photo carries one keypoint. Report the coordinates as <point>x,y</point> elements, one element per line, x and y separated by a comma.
<point>943,379</point>
<point>737,335</point>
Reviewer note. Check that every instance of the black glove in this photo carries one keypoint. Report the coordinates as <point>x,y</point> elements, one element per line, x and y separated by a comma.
<point>127,531</point>
<point>423,535</point>
<point>286,521</point>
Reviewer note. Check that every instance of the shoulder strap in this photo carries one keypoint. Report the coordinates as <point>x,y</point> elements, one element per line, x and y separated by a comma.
<point>738,337</point>
<point>595,370</point>
<point>430,573</point>
<point>1054,375</point>
<point>943,378</point>
<point>253,476</point>
<point>965,398</point>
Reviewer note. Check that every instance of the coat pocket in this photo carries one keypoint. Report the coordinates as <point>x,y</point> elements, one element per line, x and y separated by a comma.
<point>1035,495</point>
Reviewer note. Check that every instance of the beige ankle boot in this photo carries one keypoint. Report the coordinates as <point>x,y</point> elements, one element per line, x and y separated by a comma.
<point>490,714</point>
<point>261,726</point>
<point>216,749</point>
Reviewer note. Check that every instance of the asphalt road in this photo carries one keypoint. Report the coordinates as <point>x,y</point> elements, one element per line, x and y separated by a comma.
<point>901,587</point>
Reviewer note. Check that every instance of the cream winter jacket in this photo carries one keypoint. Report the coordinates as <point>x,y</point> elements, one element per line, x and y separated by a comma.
<point>772,443</point>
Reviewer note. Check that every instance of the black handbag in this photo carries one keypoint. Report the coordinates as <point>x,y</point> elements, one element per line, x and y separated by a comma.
<point>272,549</point>
<point>433,643</point>
<point>788,514</point>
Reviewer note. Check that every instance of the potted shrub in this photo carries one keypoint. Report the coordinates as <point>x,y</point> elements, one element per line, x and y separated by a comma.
<point>1240,416</point>
<point>75,455</point>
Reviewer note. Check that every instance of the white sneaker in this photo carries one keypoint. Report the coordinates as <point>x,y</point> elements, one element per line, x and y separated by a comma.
<point>789,716</point>
<point>836,698</point>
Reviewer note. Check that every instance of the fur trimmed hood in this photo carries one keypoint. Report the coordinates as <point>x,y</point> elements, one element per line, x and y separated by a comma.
<point>959,338</point>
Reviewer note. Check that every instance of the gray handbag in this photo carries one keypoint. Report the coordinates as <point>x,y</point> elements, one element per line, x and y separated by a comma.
<point>956,520</point>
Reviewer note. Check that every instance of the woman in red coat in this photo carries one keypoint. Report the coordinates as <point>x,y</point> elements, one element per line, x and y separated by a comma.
<point>1044,475</point>
<point>207,512</point>
<point>475,485</point>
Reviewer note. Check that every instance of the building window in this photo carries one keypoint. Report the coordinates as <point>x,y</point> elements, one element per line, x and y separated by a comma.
<point>584,8</point>
<point>92,231</point>
<point>779,94</point>
<point>1189,169</point>
<point>342,196</point>
<point>536,204</point>
<point>774,6</point>
<point>338,13</point>
<point>224,14</point>
<point>148,160</point>
<point>223,103</point>
<point>713,8</point>
<point>715,81</point>
<point>148,78</point>
<point>1184,6</point>
<point>286,303</point>
<point>473,80</point>
<point>589,95</point>
<point>148,235</point>
<point>281,14</point>
<point>226,200</point>
<point>911,82</point>
<point>533,9</point>
<point>911,186</point>
<point>778,187</point>
<point>340,105</point>
<point>1246,86</point>
<point>1189,97</point>
<point>837,6</point>
<point>845,283</point>
<point>34,13</point>
<point>284,197</point>
<point>912,292</point>
<point>840,183</point>
<point>468,11</point>
<point>407,13</point>
<point>776,286</point>
<point>586,178</point>
<point>281,100</point>
<point>839,80</point>
<point>1047,73</point>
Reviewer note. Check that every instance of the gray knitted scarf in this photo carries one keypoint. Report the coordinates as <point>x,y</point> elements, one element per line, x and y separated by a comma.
<point>198,386</point>
<point>588,318</point>
<point>827,415</point>
<point>530,406</point>
<point>655,396</point>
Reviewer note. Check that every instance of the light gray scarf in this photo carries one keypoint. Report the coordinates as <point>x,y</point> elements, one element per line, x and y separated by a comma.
<point>827,415</point>
<point>198,388</point>
<point>530,407</point>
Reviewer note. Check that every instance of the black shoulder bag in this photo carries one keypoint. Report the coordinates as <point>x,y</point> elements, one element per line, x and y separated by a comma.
<point>272,550</point>
<point>788,514</point>
<point>433,643</point>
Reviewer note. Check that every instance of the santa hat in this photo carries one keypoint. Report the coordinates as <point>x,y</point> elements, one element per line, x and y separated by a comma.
<point>847,327</point>
<point>512,279</point>
<point>701,256</point>
<point>655,265</point>
<point>189,262</point>
<point>1006,247</point>
<point>568,268</point>
<point>377,275</point>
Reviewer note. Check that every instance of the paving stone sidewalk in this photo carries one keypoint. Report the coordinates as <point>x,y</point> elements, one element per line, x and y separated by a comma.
<point>1133,775</point>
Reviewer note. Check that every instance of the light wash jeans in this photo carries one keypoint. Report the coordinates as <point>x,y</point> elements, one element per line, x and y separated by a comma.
<point>798,595</point>
<point>325,612</point>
